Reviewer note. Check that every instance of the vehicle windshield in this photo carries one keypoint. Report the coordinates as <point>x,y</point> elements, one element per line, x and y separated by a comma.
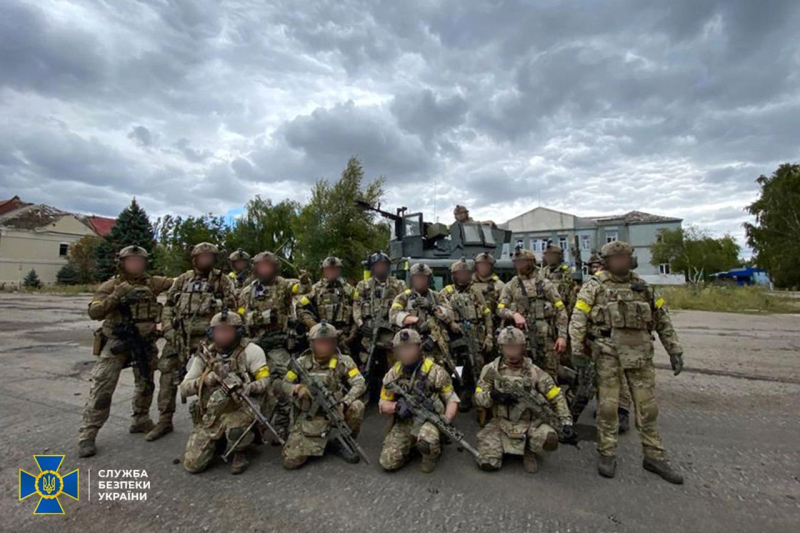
<point>488,236</point>
<point>412,225</point>
<point>472,234</point>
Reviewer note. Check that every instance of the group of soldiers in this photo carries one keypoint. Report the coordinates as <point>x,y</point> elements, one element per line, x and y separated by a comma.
<point>517,352</point>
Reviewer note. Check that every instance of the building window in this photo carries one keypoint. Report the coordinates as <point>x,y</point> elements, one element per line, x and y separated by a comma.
<point>612,236</point>
<point>585,243</point>
<point>63,249</point>
<point>562,242</point>
<point>535,245</point>
<point>520,244</point>
<point>663,268</point>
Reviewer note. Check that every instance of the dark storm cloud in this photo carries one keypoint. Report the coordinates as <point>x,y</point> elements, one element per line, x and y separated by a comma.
<point>194,106</point>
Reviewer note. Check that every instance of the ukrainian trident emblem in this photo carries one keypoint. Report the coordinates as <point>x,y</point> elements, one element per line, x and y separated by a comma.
<point>48,484</point>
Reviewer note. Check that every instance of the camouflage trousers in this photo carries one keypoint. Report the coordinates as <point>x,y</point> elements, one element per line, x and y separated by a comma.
<point>490,442</point>
<point>611,379</point>
<point>307,437</point>
<point>170,369</point>
<point>202,443</point>
<point>277,408</point>
<point>401,437</point>
<point>105,375</point>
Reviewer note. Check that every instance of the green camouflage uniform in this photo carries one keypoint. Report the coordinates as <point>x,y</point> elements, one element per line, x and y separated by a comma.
<point>617,315</point>
<point>513,428</point>
<point>194,298</point>
<point>402,435</point>
<point>371,302</point>
<point>549,314</point>
<point>215,414</point>
<point>331,301</point>
<point>146,312</point>
<point>412,303</point>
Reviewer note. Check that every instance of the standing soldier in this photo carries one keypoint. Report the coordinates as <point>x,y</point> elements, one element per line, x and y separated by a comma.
<point>594,264</point>
<point>414,372</point>
<point>192,301</point>
<point>488,282</point>
<point>218,413</point>
<point>532,304</point>
<point>340,376</point>
<point>474,318</point>
<point>371,302</point>
<point>516,429</point>
<point>266,306</point>
<point>127,305</point>
<point>240,268</point>
<point>560,273</point>
<point>617,312</point>
<point>331,300</point>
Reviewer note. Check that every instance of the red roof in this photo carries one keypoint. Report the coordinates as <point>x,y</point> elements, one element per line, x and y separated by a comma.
<point>6,206</point>
<point>101,225</point>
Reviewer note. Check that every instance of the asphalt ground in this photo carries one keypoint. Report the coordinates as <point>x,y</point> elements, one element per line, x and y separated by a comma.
<point>730,423</point>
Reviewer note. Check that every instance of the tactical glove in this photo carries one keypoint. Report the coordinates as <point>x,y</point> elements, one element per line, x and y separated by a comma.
<point>121,290</point>
<point>677,363</point>
<point>568,435</point>
<point>403,411</point>
<point>488,345</point>
<point>503,397</point>
<point>211,379</point>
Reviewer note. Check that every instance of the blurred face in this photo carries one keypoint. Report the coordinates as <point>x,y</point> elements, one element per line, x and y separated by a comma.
<point>619,265</point>
<point>552,258</point>
<point>224,335</point>
<point>239,265</point>
<point>331,273</point>
<point>380,270</point>
<point>462,216</point>
<point>484,269</point>
<point>594,268</point>
<point>420,282</point>
<point>523,266</point>
<point>462,277</point>
<point>408,354</point>
<point>513,352</point>
<point>324,348</point>
<point>204,262</point>
<point>134,265</point>
<point>265,270</point>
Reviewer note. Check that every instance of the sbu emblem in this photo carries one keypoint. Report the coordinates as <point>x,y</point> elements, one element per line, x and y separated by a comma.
<point>48,484</point>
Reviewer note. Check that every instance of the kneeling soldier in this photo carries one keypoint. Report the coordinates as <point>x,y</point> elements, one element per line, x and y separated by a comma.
<point>222,374</point>
<point>516,428</point>
<point>422,375</point>
<point>322,377</point>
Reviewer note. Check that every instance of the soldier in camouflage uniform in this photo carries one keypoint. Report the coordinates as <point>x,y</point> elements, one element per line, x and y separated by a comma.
<point>240,269</point>
<point>530,300</point>
<point>515,429</point>
<point>461,214</point>
<point>267,305</point>
<point>229,359</point>
<point>371,302</point>
<point>617,312</point>
<point>473,315</point>
<point>413,371</point>
<point>194,298</point>
<point>128,296</point>
<point>561,274</point>
<point>594,264</point>
<point>340,375</point>
<point>330,299</point>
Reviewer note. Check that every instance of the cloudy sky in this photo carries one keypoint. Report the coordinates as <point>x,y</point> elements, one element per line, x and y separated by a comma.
<point>590,107</point>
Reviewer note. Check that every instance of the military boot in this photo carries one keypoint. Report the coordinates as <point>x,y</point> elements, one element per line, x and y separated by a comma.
<point>487,464</point>
<point>346,454</point>
<point>294,463</point>
<point>529,462</point>
<point>663,469</point>
<point>624,420</point>
<point>428,463</point>
<point>607,467</point>
<point>86,448</point>
<point>239,463</point>
<point>144,425</point>
<point>162,428</point>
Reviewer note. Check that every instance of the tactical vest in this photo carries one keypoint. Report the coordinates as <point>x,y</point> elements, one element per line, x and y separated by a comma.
<point>419,381</point>
<point>213,402</point>
<point>464,306</point>
<point>515,412</point>
<point>145,311</point>
<point>377,300</point>
<point>539,307</point>
<point>421,306</point>
<point>490,293</point>
<point>199,300</point>
<point>266,306</point>
<point>333,304</point>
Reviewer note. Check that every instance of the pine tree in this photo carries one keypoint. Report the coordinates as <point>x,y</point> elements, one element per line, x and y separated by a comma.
<point>68,275</point>
<point>32,280</point>
<point>132,227</point>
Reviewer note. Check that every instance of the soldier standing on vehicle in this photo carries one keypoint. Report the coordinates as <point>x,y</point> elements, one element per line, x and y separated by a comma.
<point>514,428</point>
<point>224,369</point>
<point>532,303</point>
<point>339,375</point>
<point>194,298</point>
<point>472,314</point>
<point>240,269</point>
<point>371,302</point>
<point>414,372</point>
<point>617,311</point>
<point>130,312</point>
<point>330,299</point>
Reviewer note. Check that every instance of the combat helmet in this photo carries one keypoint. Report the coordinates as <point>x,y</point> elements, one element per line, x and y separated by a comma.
<point>322,330</point>
<point>132,251</point>
<point>594,259</point>
<point>204,248</point>
<point>460,265</point>
<point>420,269</point>
<point>485,257</point>
<point>266,256</point>
<point>239,255</point>
<point>616,248</point>
<point>553,249</point>
<point>331,261</point>
<point>459,209</point>
<point>406,336</point>
<point>521,254</point>
<point>226,318</point>
<point>377,257</point>
<point>510,335</point>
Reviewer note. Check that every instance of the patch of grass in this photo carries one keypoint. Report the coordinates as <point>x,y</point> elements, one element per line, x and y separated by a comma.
<point>727,298</point>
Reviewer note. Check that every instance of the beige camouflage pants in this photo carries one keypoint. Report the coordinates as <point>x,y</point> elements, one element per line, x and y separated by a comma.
<point>169,368</point>
<point>300,446</point>
<point>642,384</point>
<point>202,443</point>
<point>399,440</point>
<point>105,375</point>
<point>490,442</point>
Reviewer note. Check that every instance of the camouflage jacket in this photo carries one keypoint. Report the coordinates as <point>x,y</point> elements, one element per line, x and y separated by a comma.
<point>429,377</point>
<point>247,361</point>
<point>240,279</point>
<point>538,296</point>
<point>373,299</point>
<point>339,375</point>
<point>140,299</point>
<point>267,307</point>
<point>619,314</point>
<point>412,303</point>
<point>195,298</point>
<point>562,276</point>
<point>491,288</point>
<point>470,310</point>
<point>329,301</point>
<point>533,378</point>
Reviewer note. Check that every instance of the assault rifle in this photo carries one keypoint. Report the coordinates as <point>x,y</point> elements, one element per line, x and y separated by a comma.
<point>378,325</point>
<point>132,342</point>
<point>585,390</point>
<point>434,336</point>
<point>578,274</point>
<point>323,399</point>
<point>530,323</point>
<point>424,411</point>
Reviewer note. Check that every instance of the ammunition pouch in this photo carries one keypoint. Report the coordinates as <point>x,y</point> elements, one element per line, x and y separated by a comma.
<point>100,341</point>
<point>272,340</point>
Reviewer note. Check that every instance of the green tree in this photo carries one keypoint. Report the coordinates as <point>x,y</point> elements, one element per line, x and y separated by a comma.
<point>68,275</point>
<point>775,236</point>
<point>265,226</point>
<point>332,224</point>
<point>31,280</point>
<point>82,257</point>
<point>176,236</point>
<point>695,253</point>
<point>132,227</point>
